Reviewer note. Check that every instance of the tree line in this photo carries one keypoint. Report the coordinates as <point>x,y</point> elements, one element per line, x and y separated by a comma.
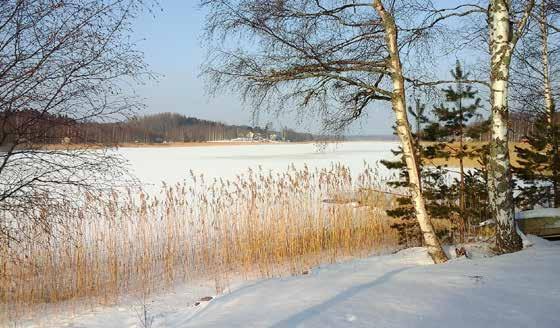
<point>156,128</point>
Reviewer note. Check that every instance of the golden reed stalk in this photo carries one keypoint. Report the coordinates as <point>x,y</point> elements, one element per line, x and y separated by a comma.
<point>259,224</point>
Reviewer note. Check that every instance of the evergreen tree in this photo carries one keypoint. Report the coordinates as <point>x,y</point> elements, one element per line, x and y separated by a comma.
<point>434,187</point>
<point>539,164</point>
<point>538,170</point>
<point>452,131</point>
<point>463,200</point>
<point>420,118</point>
<point>477,202</point>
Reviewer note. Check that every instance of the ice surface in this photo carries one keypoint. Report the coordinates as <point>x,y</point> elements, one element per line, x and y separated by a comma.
<point>152,166</point>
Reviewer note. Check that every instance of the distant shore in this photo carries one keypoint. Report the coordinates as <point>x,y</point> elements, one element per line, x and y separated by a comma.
<point>197,144</point>
<point>468,162</point>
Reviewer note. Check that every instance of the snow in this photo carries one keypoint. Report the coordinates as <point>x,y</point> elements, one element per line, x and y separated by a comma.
<point>518,290</point>
<point>399,290</point>
<point>487,223</point>
<point>154,165</point>
<point>538,213</point>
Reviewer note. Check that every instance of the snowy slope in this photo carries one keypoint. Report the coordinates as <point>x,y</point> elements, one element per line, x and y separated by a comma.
<point>400,290</point>
<point>518,290</point>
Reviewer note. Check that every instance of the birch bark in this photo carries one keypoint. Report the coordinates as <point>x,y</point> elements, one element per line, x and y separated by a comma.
<point>404,132</point>
<point>502,43</point>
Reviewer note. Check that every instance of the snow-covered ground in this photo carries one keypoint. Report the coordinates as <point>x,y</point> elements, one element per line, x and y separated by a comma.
<point>538,213</point>
<point>152,166</point>
<point>399,290</point>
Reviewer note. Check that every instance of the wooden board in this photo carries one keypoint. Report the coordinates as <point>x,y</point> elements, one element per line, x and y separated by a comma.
<point>543,227</point>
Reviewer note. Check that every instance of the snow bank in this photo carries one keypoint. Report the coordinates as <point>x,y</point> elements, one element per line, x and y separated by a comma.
<point>399,290</point>
<point>517,290</point>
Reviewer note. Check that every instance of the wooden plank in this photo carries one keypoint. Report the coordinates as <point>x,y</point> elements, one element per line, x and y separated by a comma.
<point>543,226</point>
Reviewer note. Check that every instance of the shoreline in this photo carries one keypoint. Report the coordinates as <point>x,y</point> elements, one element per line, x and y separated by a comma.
<point>196,144</point>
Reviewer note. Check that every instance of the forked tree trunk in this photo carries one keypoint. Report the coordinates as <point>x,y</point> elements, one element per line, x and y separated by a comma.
<point>501,188</point>
<point>549,104</point>
<point>403,130</point>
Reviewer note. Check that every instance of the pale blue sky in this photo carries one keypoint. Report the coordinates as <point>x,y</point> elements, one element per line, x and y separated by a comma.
<point>170,39</point>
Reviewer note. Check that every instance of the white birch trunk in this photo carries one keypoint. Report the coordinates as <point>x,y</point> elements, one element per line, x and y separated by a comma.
<point>404,132</point>
<point>548,100</point>
<point>500,188</point>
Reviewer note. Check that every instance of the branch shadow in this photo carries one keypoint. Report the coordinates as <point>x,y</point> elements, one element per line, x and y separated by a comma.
<point>346,294</point>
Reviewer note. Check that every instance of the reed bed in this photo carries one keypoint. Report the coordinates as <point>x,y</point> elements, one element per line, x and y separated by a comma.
<point>257,225</point>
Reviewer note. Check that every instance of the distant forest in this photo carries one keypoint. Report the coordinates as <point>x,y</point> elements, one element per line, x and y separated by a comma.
<point>40,128</point>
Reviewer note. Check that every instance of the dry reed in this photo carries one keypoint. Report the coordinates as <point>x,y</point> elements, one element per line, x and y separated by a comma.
<point>259,224</point>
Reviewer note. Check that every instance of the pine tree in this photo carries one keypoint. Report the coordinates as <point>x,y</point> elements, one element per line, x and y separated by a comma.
<point>443,196</point>
<point>538,170</point>
<point>452,133</point>
<point>409,231</point>
<point>477,202</point>
<point>434,188</point>
<point>420,119</point>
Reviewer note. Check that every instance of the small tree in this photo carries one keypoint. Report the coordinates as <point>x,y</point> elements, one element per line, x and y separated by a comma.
<point>538,168</point>
<point>452,131</point>
<point>434,186</point>
<point>418,113</point>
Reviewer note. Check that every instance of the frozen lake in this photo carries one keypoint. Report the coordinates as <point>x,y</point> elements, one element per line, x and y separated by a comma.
<point>152,166</point>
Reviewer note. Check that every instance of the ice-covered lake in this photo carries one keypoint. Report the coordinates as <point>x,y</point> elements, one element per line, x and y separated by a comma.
<point>152,166</point>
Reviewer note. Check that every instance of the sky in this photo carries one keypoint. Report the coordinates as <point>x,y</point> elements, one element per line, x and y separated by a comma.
<point>170,38</point>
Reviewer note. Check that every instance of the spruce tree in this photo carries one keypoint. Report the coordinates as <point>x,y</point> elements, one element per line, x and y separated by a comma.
<point>477,202</point>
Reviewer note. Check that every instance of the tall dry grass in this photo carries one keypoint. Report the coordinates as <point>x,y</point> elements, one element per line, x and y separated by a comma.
<point>256,225</point>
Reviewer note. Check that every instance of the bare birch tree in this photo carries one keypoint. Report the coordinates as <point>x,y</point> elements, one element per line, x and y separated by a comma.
<point>334,58</point>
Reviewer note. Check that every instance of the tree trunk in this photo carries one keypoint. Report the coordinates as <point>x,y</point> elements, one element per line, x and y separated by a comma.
<point>403,130</point>
<point>461,163</point>
<point>462,192</point>
<point>550,107</point>
<point>501,188</point>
